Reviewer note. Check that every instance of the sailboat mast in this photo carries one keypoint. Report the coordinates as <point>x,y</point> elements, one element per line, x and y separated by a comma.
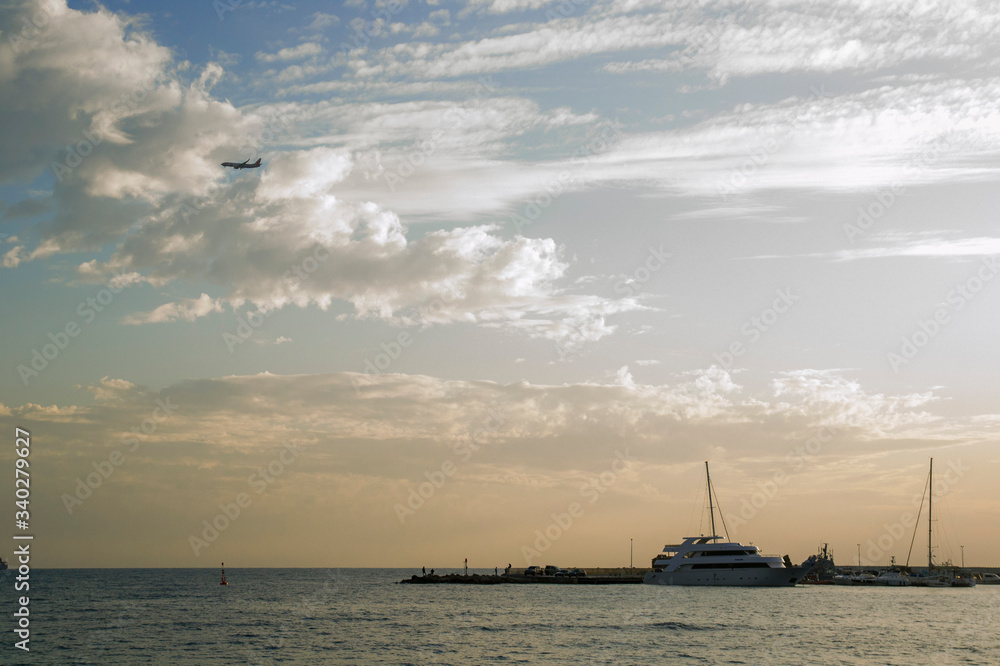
<point>711,507</point>
<point>930,517</point>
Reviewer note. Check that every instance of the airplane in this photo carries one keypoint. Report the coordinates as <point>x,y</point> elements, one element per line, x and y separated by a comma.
<point>242,165</point>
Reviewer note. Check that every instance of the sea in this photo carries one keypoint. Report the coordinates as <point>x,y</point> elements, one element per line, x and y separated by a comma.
<point>363,616</point>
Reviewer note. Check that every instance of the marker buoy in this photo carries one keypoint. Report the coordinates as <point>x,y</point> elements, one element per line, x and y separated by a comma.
<point>223,581</point>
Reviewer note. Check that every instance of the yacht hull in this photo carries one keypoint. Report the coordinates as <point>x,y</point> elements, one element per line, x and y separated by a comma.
<point>776,577</point>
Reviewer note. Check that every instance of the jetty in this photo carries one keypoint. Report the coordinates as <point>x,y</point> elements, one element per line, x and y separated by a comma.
<point>594,576</point>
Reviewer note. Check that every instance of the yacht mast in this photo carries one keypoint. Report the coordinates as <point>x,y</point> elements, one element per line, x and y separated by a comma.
<point>711,508</point>
<point>930,517</point>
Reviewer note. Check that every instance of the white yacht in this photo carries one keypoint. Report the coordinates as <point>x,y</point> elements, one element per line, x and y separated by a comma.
<point>894,578</point>
<point>705,560</point>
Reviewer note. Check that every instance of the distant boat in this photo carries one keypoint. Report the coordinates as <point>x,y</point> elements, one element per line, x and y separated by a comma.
<point>703,560</point>
<point>893,578</point>
<point>989,579</point>
<point>223,581</point>
<point>823,568</point>
<point>3,564</point>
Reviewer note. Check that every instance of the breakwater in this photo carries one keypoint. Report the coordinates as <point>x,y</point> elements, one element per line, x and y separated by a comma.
<point>520,579</point>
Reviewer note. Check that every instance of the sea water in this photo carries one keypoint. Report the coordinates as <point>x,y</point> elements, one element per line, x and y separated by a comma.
<point>310,616</point>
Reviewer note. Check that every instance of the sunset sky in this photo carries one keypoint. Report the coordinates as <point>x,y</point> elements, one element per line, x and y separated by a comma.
<point>510,272</point>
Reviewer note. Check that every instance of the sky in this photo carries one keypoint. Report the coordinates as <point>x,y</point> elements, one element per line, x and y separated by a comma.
<point>511,271</point>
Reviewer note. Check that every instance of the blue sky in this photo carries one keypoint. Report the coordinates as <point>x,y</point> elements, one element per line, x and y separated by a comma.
<point>691,232</point>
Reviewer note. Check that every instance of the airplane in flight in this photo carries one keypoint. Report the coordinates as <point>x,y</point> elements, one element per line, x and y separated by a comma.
<point>242,165</point>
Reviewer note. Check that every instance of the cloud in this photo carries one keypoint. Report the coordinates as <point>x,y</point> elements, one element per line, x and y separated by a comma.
<point>321,21</point>
<point>362,442</point>
<point>187,309</point>
<point>14,256</point>
<point>665,422</point>
<point>303,174</point>
<point>71,71</point>
<point>939,247</point>
<point>303,50</point>
<point>286,234</point>
<point>722,38</point>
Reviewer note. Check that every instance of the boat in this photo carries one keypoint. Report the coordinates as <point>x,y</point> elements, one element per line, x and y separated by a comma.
<point>946,575</point>
<point>823,569</point>
<point>843,579</point>
<point>894,577</point>
<point>988,579</point>
<point>3,564</point>
<point>707,560</point>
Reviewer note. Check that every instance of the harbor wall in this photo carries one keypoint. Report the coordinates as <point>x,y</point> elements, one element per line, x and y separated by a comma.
<point>599,571</point>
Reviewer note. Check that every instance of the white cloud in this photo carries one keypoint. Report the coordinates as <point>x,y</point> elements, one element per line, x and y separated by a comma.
<point>303,174</point>
<point>303,50</point>
<point>941,247</point>
<point>285,234</point>
<point>187,309</point>
<point>723,38</point>
<point>14,256</point>
<point>322,21</point>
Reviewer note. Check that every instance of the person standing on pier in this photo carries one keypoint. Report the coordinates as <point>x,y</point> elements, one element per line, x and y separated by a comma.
<point>423,570</point>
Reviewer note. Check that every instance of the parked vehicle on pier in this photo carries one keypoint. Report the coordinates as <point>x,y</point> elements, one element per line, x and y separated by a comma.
<point>533,570</point>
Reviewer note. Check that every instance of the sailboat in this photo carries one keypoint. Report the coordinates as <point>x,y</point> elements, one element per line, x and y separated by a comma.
<point>704,560</point>
<point>944,576</point>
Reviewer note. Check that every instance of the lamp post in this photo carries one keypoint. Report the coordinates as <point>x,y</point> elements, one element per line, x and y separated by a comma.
<point>630,554</point>
<point>859,559</point>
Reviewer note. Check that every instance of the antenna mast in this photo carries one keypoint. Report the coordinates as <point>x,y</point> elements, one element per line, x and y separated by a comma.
<point>711,507</point>
<point>930,517</point>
